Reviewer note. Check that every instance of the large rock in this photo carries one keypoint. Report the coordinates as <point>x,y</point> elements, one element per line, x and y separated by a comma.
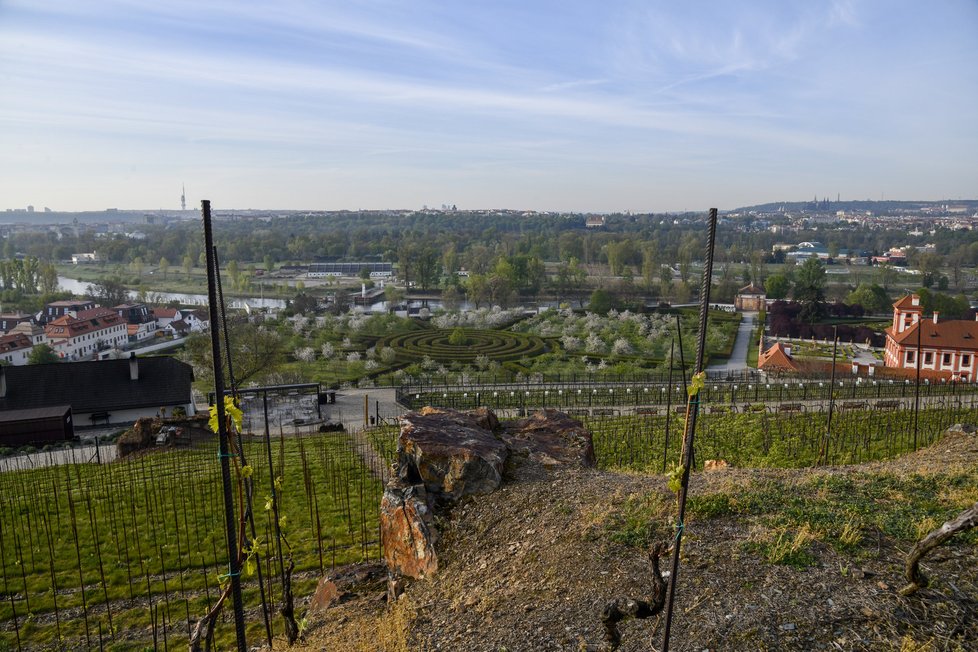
<point>550,438</point>
<point>407,531</point>
<point>454,454</point>
<point>407,534</point>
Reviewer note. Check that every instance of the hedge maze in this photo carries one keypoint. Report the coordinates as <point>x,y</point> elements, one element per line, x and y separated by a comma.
<point>464,345</point>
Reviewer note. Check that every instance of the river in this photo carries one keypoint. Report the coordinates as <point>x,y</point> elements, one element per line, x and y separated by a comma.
<point>81,287</point>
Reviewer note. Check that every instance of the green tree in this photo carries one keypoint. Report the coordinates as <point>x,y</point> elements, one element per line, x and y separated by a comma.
<point>42,354</point>
<point>601,302</point>
<point>871,297</point>
<point>477,289</point>
<point>164,266</point>
<point>776,286</point>
<point>427,268</point>
<point>48,279</point>
<point>108,292</point>
<point>188,265</point>
<point>257,351</point>
<point>809,290</point>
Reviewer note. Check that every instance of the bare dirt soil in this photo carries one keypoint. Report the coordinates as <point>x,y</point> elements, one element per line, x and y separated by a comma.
<point>530,567</point>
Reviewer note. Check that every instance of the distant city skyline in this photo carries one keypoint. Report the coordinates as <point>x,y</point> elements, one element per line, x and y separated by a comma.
<point>565,106</point>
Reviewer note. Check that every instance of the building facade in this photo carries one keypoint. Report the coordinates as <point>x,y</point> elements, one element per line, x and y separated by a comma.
<point>929,344</point>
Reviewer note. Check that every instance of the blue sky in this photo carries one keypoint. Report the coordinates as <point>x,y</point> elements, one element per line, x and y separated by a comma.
<point>545,105</point>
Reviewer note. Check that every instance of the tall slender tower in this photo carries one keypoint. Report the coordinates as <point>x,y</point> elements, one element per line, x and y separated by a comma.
<point>183,197</point>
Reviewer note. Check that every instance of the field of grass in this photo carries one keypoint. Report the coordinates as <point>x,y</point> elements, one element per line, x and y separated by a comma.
<point>133,552</point>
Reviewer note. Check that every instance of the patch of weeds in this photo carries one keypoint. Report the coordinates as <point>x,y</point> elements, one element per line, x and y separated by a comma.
<point>850,535</point>
<point>784,546</point>
<point>710,505</point>
<point>637,521</point>
<point>907,644</point>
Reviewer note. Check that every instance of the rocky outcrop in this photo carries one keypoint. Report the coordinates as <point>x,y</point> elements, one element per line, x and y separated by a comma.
<point>453,454</point>
<point>550,438</point>
<point>407,530</point>
<point>444,456</point>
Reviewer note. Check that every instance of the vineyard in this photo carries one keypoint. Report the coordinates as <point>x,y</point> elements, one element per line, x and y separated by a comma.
<point>131,554</point>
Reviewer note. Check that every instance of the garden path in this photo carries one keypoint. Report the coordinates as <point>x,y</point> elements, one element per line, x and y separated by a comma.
<point>738,359</point>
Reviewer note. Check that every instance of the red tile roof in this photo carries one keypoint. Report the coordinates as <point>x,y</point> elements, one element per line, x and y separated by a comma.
<point>952,334</point>
<point>95,320</point>
<point>16,342</point>
<point>751,289</point>
<point>776,357</point>
<point>906,303</point>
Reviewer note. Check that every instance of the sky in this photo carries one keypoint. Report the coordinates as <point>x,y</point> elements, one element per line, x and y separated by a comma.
<point>562,105</point>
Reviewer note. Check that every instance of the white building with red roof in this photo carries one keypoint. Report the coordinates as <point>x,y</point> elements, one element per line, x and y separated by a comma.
<point>86,333</point>
<point>944,346</point>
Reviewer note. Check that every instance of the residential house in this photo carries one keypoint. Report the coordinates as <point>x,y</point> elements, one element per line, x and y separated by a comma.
<point>100,391</point>
<point>15,348</point>
<point>914,342</point>
<point>178,328</point>
<point>165,315</point>
<point>141,324</point>
<point>87,333</point>
<point>32,330</point>
<point>198,320</point>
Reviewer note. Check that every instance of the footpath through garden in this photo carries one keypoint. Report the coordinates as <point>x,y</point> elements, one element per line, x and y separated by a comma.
<point>738,358</point>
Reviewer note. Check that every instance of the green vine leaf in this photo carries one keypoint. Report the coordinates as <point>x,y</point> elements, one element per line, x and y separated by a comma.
<point>696,383</point>
<point>675,476</point>
<point>231,411</point>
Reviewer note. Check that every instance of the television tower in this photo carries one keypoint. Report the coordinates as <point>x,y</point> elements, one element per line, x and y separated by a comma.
<point>183,197</point>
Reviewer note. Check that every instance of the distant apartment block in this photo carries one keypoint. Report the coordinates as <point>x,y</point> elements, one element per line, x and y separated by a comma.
<point>77,259</point>
<point>377,270</point>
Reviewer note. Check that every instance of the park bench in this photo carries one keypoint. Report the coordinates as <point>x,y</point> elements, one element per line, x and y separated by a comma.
<point>100,416</point>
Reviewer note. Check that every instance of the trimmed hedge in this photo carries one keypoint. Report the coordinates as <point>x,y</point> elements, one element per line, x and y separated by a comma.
<point>435,344</point>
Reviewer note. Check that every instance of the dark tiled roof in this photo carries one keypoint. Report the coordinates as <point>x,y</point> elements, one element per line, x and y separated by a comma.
<point>37,413</point>
<point>101,385</point>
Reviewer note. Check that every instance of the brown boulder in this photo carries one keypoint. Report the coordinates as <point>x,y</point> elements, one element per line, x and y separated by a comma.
<point>550,438</point>
<point>406,531</point>
<point>451,453</point>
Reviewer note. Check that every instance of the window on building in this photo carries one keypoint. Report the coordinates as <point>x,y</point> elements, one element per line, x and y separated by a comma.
<point>965,360</point>
<point>946,359</point>
<point>928,358</point>
<point>911,357</point>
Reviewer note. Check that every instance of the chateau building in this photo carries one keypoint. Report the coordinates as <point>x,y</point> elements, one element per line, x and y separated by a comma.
<point>944,346</point>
